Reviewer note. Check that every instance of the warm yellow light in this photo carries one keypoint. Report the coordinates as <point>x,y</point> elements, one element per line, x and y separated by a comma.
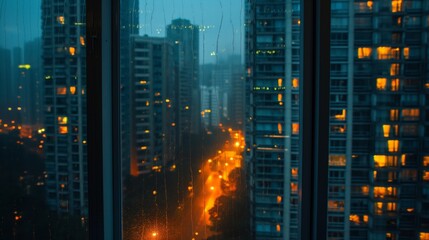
<point>63,129</point>
<point>394,114</point>
<point>295,128</point>
<point>380,160</point>
<point>426,175</point>
<point>293,187</point>
<point>61,91</point>
<point>294,172</point>
<point>61,19</point>
<point>72,51</point>
<point>295,83</point>
<point>369,4</point>
<point>82,40</point>
<point>424,235</point>
<point>364,52</point>
<point>396,5</point>
<point>279,199</point>
<point>337,160</point>
<point>143,82</point>
<point>279,97</point>
<point>187,107</point>
<point>381,83</point>
<point>72,90</point>
<point>24,66</point>
<point>394,69</point>
<point>383,53</point>
<point>365,218</point>
<point>395,84</point>
<point>365,189</point>
<point>278,228</point>
<point>354,218</point>
<point>280,82</point>
<point>143,147</point>
<point>386,130</point>
<point>410,113</point>
<point>393,145</point>
<point>341,116</point>
<point>406,52</point>
<point>279,128</point>
<point>62,120</point>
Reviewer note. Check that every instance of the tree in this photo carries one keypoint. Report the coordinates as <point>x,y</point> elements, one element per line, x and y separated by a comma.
<point>230,214</point>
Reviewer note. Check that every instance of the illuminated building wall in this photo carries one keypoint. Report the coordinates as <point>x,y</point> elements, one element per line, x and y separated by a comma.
<point>153,124</point>
<point>64,76</point>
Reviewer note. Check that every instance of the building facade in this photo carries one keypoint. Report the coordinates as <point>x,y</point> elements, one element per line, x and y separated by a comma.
<point>64,70</point>
<point>272,116</point>
<point>378,163</point>
<point>185,37</point>
<point>153,124</point>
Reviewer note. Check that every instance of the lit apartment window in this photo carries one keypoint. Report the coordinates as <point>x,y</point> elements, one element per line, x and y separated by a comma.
<point>396,6</point>
<point>364,52</point>
<point>61,91</point>
<point>337,160</point>
<point>381,83</point>
<point>63,130</point>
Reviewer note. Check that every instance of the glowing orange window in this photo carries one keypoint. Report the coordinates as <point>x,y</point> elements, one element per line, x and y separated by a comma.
<point>393,145</point>
<point>63,130</point>
<point>394,84</point>
<point>295,82</point>
<point>61,91</point>
<point>381,83</point>
<point>386,130</point>
<point>280,82</point>
<point>406,51</point>
<point>364,52</point>
<point>383,53</point>
<point>394,115</point>
<point>62,120</point>
<point>295,128</point>
<point>72,90</point>
<point>394,69</point>
<point>396,5</point>
<point>425,175</point>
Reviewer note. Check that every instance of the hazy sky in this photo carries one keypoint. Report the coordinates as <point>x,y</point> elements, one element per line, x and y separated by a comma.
<point>20,21</point>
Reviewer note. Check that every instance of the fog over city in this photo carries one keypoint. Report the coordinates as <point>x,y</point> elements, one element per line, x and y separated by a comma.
<point>221,23</point>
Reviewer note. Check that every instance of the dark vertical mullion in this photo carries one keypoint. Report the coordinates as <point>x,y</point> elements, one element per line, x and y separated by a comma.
<point>94,129</point>
<point>314,115</point>
<point>104,172</point>
<point>116,118</point>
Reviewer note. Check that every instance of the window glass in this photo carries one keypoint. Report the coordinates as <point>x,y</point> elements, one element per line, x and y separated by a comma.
<point>43,139</point>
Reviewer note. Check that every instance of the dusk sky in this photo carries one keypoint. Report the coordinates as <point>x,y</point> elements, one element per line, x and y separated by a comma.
<point>222,19</point>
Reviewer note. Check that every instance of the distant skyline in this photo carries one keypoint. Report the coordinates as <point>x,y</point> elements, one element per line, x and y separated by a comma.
<point>20,22</point>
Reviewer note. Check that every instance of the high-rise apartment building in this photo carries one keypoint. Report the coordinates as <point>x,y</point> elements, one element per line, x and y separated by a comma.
<point>272,116</point>
<point>153,118</point>
<point>378,175</point>
<point>64,70</point>
<point>129,20</point>
<point>378,163</point>
<point>185,37</point>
